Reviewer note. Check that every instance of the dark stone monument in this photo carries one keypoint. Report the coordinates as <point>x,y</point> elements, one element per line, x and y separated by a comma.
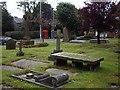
<point>10,44</point>
<point>20,52</point>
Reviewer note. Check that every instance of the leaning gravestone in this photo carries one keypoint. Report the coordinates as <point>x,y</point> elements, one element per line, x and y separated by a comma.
<point>10,44</point>
<point>65,35</point>
<point>20,52</point>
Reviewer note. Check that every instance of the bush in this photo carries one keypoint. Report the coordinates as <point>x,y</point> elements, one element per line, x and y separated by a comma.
<point>15,34</point>
<point>34,34</point>
<point>26,46</point>
<point>44,44</point>
<point>28,42</point>
<point>20,34</point>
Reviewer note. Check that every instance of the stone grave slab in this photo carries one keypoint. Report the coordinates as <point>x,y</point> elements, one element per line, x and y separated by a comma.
<point>77,41</point>
<point>11,68</point>
<point>27,63</point>
<point>59,71</point>
<point>42,79</point>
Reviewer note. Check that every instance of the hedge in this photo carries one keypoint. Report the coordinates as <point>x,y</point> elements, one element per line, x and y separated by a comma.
<point>20,34</point>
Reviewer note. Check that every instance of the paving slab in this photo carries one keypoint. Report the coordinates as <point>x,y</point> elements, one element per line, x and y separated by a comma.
<point>11,68</point>
<point>77,41</point>
<point>59,71</point>
<point>27,63</point>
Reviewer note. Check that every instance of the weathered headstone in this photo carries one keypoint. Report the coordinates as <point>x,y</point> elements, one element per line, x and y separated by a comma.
<point>20,52</point>
<point>65,35</point>
<point>58,41</point>
<point>10,44</point>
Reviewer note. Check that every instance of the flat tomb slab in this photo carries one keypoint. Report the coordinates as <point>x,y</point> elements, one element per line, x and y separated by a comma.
<point>59,71</point>
<point>77,41</point>
<point>11,68</point>
<point>75,56</point>
<point>42,79</point>
<point>27,63</point>
<point>101,40</point>
<point>78,60</point>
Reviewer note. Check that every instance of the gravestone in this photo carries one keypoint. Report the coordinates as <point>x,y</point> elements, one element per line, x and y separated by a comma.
<point>20,52</point>
<point>65,35</point>
<point>58,41</point>
<point>10,44</point>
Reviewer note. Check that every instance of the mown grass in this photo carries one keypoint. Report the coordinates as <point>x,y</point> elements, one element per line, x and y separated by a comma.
<point>107,74</point>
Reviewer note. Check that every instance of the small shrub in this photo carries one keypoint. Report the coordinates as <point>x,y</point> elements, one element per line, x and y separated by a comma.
<point>20,34</point>
<point>28,42</point>
<point>28,46</point>
<point>15,34</point>
<point>44,44</point>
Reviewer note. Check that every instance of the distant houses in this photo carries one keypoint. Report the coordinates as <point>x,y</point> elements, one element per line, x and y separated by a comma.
<point>17,23</point>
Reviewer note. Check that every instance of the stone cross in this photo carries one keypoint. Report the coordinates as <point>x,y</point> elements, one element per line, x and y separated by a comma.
<point>58,41</point>
<point>20,52</point>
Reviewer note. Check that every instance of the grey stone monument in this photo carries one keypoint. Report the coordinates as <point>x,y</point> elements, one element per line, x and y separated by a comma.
<point>58,41</point>
<point>20,52</point>
<point>65,35</point>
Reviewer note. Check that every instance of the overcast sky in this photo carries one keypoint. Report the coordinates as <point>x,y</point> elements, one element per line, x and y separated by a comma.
<point>12,5</point>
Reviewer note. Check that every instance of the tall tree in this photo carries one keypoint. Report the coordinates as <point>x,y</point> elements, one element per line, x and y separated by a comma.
<point>7,19</point>
<point>68,16</point>
<point>98,15</point>
<point>32,14</point>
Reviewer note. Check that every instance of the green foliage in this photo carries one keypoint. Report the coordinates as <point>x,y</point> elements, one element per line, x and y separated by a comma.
<point>32,12</point>
<point>7,21</point>
<point>28,42</point>
<point>44,44</point>
<point>34,34</point>
<point>20,34</point>
<point>67,15</point>
<point>15,34</point>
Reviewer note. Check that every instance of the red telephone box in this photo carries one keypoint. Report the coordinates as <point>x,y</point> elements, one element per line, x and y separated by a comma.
<point>45,34</point>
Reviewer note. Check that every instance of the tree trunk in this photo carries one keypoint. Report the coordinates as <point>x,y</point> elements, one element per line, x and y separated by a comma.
<point>98,37</point>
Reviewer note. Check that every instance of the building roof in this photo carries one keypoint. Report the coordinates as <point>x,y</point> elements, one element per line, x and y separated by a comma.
<point>17,20</point>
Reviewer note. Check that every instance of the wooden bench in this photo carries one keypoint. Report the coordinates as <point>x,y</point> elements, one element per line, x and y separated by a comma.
<point>78,60</point>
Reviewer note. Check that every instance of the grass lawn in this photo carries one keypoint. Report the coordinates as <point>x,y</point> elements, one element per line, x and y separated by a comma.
<point>107,74</point>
